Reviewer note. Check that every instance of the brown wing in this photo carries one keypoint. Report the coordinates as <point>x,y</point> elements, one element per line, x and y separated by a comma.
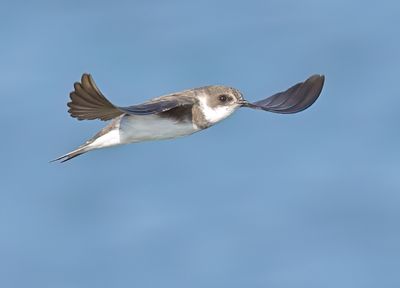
<point>88,103</point>
<point>295,99</point>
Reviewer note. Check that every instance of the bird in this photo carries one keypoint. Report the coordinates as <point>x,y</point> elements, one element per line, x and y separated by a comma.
<point>174,115</point>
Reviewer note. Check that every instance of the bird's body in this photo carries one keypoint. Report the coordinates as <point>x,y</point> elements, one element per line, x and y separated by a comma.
<point>128,129</point>
<point>174,115</point>
<point>153,127</point>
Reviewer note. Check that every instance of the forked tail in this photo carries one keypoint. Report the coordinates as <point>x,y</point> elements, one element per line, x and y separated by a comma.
<point>79,151</point>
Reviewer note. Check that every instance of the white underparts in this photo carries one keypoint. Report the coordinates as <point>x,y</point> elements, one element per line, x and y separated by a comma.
<point>152,127</point>
<point>108,139</point>
<point>132,129</point>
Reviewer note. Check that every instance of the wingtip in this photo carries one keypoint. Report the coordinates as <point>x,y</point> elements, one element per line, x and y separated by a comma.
<point>321,80</point>
<point>85,74</point>
<point>317,80</point>
<point>295,99</point>
<point>317,77</point>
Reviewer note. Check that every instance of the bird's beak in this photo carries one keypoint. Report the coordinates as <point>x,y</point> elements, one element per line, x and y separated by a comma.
<point>244,103</point>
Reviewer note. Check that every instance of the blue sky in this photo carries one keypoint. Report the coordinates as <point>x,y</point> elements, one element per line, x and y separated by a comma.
<point>259,200</point>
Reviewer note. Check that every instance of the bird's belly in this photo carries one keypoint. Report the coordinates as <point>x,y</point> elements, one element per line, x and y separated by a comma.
<point>152,127</point>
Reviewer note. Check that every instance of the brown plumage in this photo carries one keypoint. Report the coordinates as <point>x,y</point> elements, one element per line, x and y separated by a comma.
<point>177,114</point>
<point>88,103</point>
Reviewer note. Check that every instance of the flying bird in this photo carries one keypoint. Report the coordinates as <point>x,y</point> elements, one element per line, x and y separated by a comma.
<point>174,115</point>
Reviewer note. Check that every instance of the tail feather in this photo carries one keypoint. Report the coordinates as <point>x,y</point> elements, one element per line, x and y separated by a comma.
<point>72,154</point>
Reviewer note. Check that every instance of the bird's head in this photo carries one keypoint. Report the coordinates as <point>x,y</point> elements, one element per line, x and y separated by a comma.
<point>218,102</point>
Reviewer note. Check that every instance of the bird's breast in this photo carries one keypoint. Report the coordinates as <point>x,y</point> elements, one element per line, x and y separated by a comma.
<point>134,128</point>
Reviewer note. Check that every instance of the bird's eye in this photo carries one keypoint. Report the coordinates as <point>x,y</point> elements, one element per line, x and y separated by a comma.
<point>223,98</point>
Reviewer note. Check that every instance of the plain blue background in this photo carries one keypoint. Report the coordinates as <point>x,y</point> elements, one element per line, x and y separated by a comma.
<point>260,200</point>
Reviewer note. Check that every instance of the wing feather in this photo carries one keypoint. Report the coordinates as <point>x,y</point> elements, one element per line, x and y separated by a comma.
<point>158,106</point>
<point>88,103</point>
<point>295,99</point>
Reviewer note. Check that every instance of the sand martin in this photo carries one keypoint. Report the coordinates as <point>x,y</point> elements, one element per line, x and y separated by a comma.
<point>174,115</point>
